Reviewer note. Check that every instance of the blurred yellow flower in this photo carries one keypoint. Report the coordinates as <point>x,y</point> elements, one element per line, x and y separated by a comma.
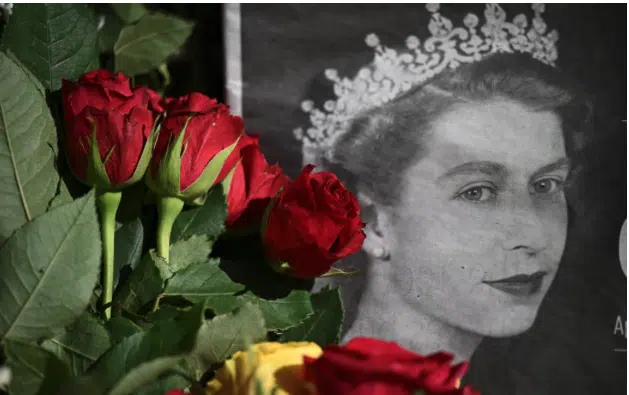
<point>271,364</point>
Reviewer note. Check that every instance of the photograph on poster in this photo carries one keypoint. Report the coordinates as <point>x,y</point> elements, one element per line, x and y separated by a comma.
<point>487,148</point>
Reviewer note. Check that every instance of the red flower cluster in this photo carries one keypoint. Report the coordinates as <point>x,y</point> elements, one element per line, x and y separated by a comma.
<point>376,367</point>
<point>189,144</point>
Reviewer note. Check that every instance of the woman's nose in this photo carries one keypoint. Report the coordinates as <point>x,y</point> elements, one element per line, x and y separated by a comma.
<point>523,229</point>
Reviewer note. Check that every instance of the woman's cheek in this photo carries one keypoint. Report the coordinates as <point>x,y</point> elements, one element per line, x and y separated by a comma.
<point>475,225</point>
<point>553,213</point>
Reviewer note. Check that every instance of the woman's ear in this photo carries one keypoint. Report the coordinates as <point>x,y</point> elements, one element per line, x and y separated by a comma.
<point>377,229</point>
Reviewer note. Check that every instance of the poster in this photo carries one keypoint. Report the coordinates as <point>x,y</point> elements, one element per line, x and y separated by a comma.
<point>569,334</point>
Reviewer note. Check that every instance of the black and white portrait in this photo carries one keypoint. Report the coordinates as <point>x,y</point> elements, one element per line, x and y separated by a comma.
<point>487,147</point>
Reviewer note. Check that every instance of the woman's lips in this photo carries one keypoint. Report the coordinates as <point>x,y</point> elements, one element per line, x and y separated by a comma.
<point>519,285</point>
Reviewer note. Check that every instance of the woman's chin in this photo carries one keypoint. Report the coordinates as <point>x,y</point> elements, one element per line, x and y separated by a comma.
<point>508,331</point>
<point>508,325</point>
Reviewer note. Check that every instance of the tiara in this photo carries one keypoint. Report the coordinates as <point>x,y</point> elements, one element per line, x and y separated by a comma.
<point>394,72</point>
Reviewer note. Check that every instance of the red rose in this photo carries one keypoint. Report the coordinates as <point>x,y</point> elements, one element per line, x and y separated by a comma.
<point>312,223</point>
<point>375,367</point>
<point>250,186</point>
<point>101,108</point>
<point>195,147</point>
<point>176,392</point>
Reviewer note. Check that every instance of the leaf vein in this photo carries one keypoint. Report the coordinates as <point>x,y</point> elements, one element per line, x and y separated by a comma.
<point>42,278</point>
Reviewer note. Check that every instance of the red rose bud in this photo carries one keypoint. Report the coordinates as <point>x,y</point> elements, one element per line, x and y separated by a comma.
<point>251,184</point>
<point>376,367</point>
<point>195,149</point>
<point>109,129</point>
<point>311,224</point>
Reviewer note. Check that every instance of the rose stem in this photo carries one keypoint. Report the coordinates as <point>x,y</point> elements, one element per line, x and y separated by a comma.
<point>168,208</point>
<point>107,203</point>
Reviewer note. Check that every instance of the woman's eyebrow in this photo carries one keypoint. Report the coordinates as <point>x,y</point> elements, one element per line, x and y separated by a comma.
<point>488,168</point>
<point>559,164</point>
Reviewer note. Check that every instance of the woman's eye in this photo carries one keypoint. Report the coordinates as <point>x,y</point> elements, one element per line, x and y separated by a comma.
<point>545,186</point>
<point>477,194</point>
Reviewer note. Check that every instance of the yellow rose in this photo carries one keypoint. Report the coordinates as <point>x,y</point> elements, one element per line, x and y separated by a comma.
<point>271,364</point>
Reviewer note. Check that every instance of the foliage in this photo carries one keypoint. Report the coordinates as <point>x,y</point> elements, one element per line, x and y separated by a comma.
<point>171,322</point>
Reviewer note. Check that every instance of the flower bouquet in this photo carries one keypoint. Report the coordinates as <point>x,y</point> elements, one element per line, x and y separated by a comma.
<point>146,244</point>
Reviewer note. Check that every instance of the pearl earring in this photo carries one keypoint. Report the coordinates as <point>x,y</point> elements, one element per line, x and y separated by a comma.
<point>380,253</point>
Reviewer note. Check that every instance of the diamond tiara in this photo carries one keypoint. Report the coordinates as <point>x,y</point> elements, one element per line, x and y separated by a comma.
<point>394,72</point>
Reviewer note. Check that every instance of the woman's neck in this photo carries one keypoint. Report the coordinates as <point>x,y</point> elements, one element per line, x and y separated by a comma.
<point>383,313</point>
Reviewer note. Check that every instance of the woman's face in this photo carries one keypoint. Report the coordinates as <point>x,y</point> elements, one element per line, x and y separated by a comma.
<point>481,227</point>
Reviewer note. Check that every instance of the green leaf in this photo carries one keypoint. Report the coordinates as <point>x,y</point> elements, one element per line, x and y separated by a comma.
<point>53,40</point>
<point>324,325</point>
<point>28,180</point>
<point>283,313</point>
<point>120,327</point>
<point>110,26</point>
<point>247,266</point>
<point>48,272</point>
<point>34,370</point>
<point>77,364</point>
<point>62,197</point>
<point>284,301</point>
<point>129,12</point>
<point>144,284</point>
<point>164,312</point>
<point>128,246</point>
<point>225,334</point>
<point>148,43</point>
<point>38,85</point>
<point>140,359</point>
<point>202,280</point>
<point>208,219</point>
<point>208,281</point>
<point>183,253</point>
<point>80,344</point>
<point>279,314</point>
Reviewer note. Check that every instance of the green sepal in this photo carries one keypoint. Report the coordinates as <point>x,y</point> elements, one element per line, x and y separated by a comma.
<point>210,174</point>
<point>280,267</point>
<point>267,213</point>
<point>227,182</point>
<point>145,157</point>
<point>265,218</point>
<point>96,173</point>
<point>336,272</point>
<point>97,176</point>
<point>197,201</point>
<point>168,179</point>
<point>168,175</point>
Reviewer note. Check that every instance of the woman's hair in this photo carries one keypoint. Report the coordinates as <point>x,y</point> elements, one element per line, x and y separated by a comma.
<point>383,142</point>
